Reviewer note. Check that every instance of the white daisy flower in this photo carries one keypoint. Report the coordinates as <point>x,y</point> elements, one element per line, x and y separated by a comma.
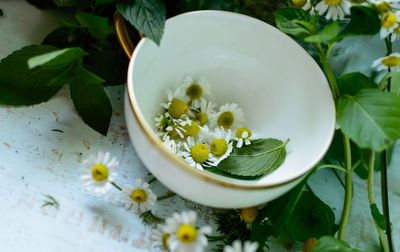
<point>390,22</point>
<point>160,238</point>
<point>304,4</point>
<point>229,116</point>
<point>205,112</point>
<point>220,145</point>
<point>175,128</point>
<point>392,61</point>
<point>173,146</point>
<point>177,104</point>
<point>139,198</point>
<point>396,34</point>
<point>184,235</point>
<point>238,246</point>
<point>98,172</point>
<point>243,136</point>
<point>196,152</point>
<point>195,90</point>
<point>385,5</point>
<point>334,9</point>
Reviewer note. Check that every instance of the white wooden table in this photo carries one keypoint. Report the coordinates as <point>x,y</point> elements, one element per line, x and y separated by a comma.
<point>42,146</point>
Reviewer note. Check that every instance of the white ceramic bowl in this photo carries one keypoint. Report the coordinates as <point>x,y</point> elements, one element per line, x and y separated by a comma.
<point>282,91</point>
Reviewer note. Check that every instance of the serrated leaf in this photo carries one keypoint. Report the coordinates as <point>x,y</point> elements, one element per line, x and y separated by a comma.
<point>331,244</point>
<point>147,17</point>
<point>352,83</point>
<point>90,100</point>
<point>20,85</point>
<point>57,59</point>
<point>97,26</point>
<point>262,156</point>
<point>378,217</point>
<point>364,21</point>
<point>370,118</point>
<point>289,20</point>
<point>328,33</point>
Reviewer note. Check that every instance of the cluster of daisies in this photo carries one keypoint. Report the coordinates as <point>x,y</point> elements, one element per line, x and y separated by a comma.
<point>179,233</point>
<point>192,128</point>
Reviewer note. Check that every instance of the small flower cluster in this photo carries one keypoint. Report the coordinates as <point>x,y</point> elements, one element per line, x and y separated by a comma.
<point>389,13</point>
<point>333,9</point>
<point>192,128</point>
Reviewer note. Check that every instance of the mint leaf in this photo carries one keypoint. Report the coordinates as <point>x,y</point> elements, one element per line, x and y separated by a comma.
<point>364,21</point>
<point>370,118</point>
<point>20,85</point>
<point>328,33</point>
<point>331,244</point>
<point>262,156</point>
<point>147,16</point>
<point>352,83</point>
<point>378,217</point>
<point>97,26</point>
<point>90,100</point>
<point>57,59</point>
<point>293,21</point>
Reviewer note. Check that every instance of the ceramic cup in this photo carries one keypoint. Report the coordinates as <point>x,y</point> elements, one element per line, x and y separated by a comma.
<point>281,89</point>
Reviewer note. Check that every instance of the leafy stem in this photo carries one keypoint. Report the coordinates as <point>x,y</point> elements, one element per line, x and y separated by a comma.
<point>371,198</point>
<point>348,188</point>
<point>330,75</point>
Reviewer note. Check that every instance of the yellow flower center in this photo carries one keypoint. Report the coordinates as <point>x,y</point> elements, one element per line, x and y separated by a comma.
<point>200,153</point>
<point>164,240</point>
<point>139,196</point>
<point>219,147</point>
<point>202,118</point>
<point>177,108</point>
<point>391,61</point>
<point>99,172</point>
<point>249,214</point>
<point>299,3</point>
<point>226,119</point>
<point>333,2</point>
<point>383,6</point>
<point>192,130</point>
<point>240,131</point>
<point>194,91</point>
<point>186,233</point>
<point>389,20</point>
<point>173,134</point>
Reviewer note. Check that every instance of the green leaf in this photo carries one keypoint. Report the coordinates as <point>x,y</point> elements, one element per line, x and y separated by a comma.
<point>57,59</point>
<point>378,217</point>
<point>63,37</point>
<point>329,32</point>
<point>65,3</point>
<point>364,21</point>
<point>97,26</point>
<point>90,100</point>
<point>147,17</point>
<point>331,244</point>
<point>370,118</point>
<point>287,20</point>
<point>104,1</point>
<point>352,83</point>
<point>259,158</point>
<point>20,85</point>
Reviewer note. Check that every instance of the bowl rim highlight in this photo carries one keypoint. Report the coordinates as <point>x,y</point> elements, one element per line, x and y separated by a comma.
<point>180,163</point>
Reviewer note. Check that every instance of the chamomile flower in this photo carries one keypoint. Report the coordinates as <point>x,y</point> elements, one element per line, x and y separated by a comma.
<point>243,136</point>
<point>184,234</point>
<point>160,238</point>
<point>334,9</point>
<point>177,103</point>
<point>98,172</point>
<point>175,128</point>
<point>195,90</point>
<point>139,198</point>
<point>390,22</point>
<point>196,152</point>
<point>238,246</point>
<point>205,112</point>
<point>392,61</point>
<point>173,146</point>
<point>229,116</point>
<point>220,145</point>
<point>396,34</point>
<point>304,4</point>
<point>385,5</point>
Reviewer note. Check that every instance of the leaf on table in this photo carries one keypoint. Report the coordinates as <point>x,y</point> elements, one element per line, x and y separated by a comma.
<point>97,26</point>
<point>364,21</point>
<point>147,17</point>
<point>90,100</point>
<point>328,33</point>
<point>262,156</point>
<point>20,85</point>
<point>331,244</point>
<point>57,59</point>
<point>370,118</point>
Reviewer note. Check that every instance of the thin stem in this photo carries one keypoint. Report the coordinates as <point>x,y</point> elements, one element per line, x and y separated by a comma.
<point>356,164</point>
<point>337,167</point>
<point>348,188</point>
<point>116,186</point>
<point>166,196</point>
<point>371,199</point>
<point>330,75</point>
<point>151,180</point>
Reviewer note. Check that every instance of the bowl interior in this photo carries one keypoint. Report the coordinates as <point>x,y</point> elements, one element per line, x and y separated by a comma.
<point>282,91</point>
